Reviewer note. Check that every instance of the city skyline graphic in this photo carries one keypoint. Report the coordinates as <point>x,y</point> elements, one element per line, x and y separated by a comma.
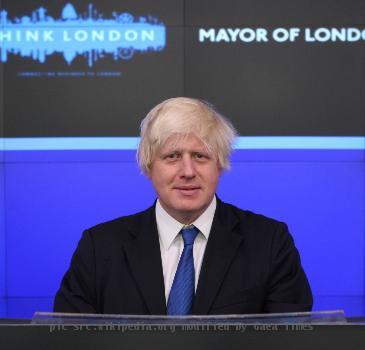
<point>89,35</point>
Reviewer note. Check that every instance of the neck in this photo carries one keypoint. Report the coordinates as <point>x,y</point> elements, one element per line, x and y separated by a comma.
<point>185,218</point>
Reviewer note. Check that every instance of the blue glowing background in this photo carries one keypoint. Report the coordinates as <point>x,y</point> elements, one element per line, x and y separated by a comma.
<point>51,196</point>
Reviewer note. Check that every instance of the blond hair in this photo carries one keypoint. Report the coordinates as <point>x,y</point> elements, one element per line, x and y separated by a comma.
<point>184,116</point>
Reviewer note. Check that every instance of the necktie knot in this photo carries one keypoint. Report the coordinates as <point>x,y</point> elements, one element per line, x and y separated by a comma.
<point>189,234</point>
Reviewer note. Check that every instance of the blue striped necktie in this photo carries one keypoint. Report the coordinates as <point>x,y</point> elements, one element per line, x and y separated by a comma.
<point>183,288</point>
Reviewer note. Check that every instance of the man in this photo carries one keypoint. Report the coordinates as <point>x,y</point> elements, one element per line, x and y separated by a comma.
<point>189,253</point>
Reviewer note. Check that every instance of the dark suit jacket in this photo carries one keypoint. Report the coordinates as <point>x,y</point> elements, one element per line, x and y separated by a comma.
<point>250,266</point>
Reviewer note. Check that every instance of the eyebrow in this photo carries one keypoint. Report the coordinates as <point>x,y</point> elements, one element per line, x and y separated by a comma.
<point>180,150</point>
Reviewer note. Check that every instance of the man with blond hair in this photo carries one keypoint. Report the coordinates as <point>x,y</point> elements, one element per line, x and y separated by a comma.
<point>189,253</point>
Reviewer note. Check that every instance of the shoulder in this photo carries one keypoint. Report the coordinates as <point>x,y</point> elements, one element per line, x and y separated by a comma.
<point>122,227</point>
<point>256,229</point>
<point>248,219</point>
<point>264,237</point>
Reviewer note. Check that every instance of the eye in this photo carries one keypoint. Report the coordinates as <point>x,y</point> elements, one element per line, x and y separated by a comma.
<point>172,156</point>
<point>200,156</point>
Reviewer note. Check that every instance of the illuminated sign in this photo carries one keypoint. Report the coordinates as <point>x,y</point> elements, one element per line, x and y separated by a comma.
<point>89,35</point>
<point>248,35</point>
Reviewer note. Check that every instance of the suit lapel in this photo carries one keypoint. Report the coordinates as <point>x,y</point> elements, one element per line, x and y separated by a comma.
<point>144,258</point>
<point>221,248</point>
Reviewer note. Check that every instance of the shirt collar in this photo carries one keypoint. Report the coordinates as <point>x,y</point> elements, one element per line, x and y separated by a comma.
<point>169,228</point>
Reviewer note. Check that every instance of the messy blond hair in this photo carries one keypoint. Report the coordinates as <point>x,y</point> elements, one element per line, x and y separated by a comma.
<point>184,116</point>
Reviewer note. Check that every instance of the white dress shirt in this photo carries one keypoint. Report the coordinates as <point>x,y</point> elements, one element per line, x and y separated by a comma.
<point>172,244</point>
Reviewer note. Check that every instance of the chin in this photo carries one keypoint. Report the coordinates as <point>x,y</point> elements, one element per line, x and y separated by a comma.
<point>190,209</point>
<point>188,204</point>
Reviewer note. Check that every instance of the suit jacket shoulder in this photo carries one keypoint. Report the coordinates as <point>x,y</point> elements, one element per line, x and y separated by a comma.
<point>120,228</point>
<point>250,220</point>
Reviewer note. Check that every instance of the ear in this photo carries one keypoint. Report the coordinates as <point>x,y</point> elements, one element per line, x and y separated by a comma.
<point>147,172</point>
<point>220,169</point>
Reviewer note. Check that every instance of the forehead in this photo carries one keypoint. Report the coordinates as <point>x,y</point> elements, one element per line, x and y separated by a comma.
<point>184,143</point>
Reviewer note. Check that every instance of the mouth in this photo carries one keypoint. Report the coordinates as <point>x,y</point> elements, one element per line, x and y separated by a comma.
<point>187,190</point>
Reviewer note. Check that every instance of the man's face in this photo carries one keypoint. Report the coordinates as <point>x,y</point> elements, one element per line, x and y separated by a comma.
<point>185,176</point>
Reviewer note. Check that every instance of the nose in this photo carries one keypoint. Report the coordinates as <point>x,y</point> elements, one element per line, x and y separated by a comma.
<point>187,167</point>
